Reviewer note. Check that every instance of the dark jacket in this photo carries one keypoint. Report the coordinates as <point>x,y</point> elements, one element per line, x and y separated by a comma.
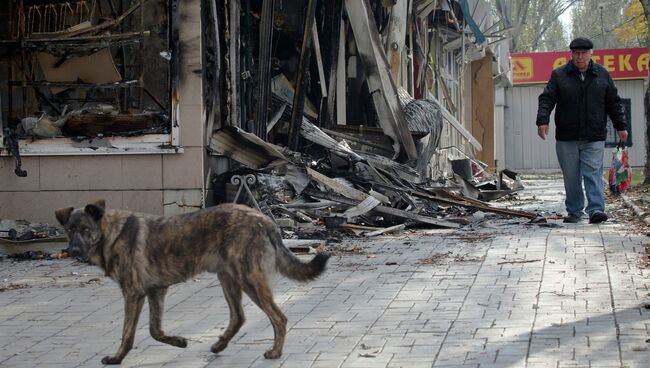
<point>582,106</point>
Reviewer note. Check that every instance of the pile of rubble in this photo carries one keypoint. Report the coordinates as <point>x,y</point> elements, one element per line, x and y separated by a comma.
<point>349,189</point>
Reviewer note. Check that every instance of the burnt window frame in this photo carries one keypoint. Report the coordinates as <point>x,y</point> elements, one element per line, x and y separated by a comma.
<point>146,143</point>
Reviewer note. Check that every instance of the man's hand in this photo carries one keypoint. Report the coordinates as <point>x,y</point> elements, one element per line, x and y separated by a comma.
<point>622,135</point>
<point>542,131</point>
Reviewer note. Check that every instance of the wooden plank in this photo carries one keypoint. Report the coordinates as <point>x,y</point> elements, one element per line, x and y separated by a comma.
<point>466,202</point>
<point>299,95</point>
<point>334,12</point>
<point>352,138</point>
<point>337,187</point>
<point>385,230</point>
<point>360,227</point>
<point>483,108</point>
<point>397,37</point>
<point>311,132</point>
<point>364,207</point>
<point>319,60</point>
<point>243,147</point>
<point>384,209</point>
<point>341,78</point>
<point>264,68</point>
<point>233,52</point>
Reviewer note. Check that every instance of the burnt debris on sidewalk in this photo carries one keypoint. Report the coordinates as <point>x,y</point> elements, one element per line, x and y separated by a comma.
<point>331,185</point>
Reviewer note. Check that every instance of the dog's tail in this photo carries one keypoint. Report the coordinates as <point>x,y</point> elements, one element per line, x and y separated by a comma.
<point>290,266</point>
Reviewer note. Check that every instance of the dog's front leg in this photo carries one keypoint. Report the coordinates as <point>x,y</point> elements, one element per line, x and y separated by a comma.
<point>156,308</point>
<point>132,308</point>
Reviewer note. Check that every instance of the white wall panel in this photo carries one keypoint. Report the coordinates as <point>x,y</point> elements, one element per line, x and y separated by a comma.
<point>524,150</point>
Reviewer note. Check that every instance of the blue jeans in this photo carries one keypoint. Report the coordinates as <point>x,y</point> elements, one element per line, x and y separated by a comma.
<point>582,161</point>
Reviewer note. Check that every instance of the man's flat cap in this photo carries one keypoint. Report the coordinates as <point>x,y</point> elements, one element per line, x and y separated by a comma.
<point>581,43</point>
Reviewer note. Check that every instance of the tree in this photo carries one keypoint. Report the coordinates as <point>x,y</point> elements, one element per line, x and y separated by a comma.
<point>633,31</point>
<point>534,24</point>
<point>512,14</point>
<point>597,20</point>
<point>555,38</point>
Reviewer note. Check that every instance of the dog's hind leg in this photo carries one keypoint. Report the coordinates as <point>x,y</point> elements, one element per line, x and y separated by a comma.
<point>232,292</point>
<point>156,298</point>
<point>257,288</point>
<point>132,308</point>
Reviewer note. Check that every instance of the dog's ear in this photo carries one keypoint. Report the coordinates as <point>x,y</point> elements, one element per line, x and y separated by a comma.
<point>96,209</point>
<point>63,215</point>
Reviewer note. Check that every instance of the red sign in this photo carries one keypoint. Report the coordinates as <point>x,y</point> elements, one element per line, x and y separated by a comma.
<point>530,68</point>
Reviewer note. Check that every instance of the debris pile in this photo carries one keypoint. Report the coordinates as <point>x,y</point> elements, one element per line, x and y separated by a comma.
<point>365,136</point>
<point>20,239</point>
<point>340,188</point>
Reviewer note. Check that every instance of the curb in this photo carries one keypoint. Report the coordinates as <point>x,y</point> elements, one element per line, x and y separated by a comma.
<point>637,211</point>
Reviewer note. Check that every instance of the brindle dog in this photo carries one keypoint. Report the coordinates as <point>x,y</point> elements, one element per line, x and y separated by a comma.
<point>145,254</point>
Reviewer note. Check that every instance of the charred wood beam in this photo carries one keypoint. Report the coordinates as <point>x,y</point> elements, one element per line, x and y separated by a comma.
<point>397,37</point>
<point>81,47</point>
<point>154,98</point>
<point>174,65</point>
<point>68,40</point>
<point>24,84</point>
<point>100,27</point>
<point>382,209</point>
<point>216,77</point>
<point>125,84</point>
<point>247,64</point>
<point>465,202</point>
<point>264,71</point>
<point>42,95</point>
<point>211,76</point>
<point>334,10</point>
<point>352,138</point>
<point>124,93</point>
<point>319,60</point>
<point>299,95</point>
<point>234,15</point>
<point>141,67</point>
<point>341,79</point>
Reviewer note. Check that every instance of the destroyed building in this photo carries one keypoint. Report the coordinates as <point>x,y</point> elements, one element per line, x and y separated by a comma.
<point>166,106</point>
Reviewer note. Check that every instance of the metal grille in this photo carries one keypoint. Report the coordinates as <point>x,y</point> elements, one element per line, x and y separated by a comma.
<point>612,138</point>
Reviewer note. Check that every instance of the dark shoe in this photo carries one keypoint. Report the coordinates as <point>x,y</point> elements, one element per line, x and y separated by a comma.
<point>597,217</point>
<point>571,219</point>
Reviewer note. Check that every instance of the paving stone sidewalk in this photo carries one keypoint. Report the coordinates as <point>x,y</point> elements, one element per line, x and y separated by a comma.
<point>502,294</point>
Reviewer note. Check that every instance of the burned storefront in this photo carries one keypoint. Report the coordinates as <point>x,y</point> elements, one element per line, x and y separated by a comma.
<point>95,95</point>
<point>341,108</point>
<point>353,111</point>
<point>87,70</point>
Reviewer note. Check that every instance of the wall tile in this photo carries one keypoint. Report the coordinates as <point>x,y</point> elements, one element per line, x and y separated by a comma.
<point>40,206</point>
<point>150,201</point>
<point>192,126</point>
<point>9,180</point>
<point>183,171</point>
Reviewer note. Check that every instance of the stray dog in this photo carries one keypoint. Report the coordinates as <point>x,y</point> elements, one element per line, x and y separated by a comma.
<point>145,254</point>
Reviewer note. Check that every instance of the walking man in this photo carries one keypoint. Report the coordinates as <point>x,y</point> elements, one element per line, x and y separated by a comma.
<point>583,94</point>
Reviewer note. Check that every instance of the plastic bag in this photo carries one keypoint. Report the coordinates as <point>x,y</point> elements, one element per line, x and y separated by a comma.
<point>620,172</point>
